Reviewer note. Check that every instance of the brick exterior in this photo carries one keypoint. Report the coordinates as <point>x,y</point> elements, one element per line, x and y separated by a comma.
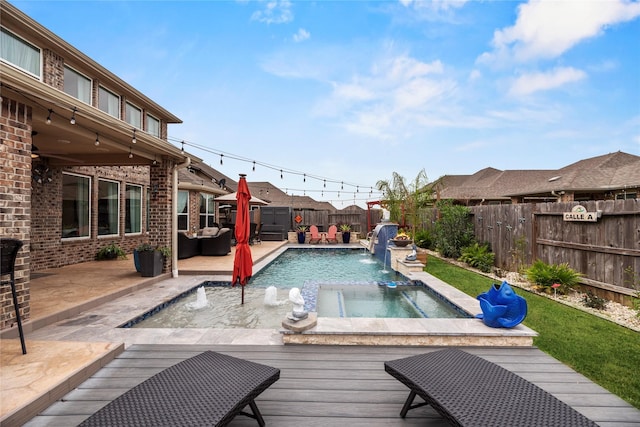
<point>15,201</point>
<point>160,214</point>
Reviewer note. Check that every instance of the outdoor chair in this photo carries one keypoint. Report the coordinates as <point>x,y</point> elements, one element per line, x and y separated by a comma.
<point>316,237</point>
<point>216,245</point>
<point>331,234</point>
<point>9,249</point>
<point>208,389</point>
<point>187,246</point>
<point>468,390</point>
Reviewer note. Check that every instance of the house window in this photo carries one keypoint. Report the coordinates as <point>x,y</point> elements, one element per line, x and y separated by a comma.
<point>133,209</point>
<point>109,102</point>
<point>183,210</point>
<point>133,115</point>
<point>626,195</point>
<point>76,206</point>
<point>153,126</point>
<point>77,85</point>
<point>207,213</point>
<point>20,53</point>
<point>108,207</point>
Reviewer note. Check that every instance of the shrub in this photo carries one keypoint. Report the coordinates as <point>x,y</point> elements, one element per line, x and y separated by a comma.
<point>424,239</point>
<point>545,275</point>
<point>594,301</point>
<point>111,251</point>
<point>454,229</point>
<point>478,256</point>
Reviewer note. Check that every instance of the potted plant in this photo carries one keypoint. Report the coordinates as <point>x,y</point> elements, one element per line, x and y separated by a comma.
<point>151,259</point>
<point>302,233</point>
<point>346,233</point>
<point>111,251</point>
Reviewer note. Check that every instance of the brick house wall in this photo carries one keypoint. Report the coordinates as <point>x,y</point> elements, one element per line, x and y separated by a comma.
<point>49,250</point>
<point>15,200</point>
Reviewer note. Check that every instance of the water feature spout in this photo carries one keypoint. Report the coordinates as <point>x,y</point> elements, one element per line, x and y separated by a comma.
<point>201,299</point>
<point>271,296</point>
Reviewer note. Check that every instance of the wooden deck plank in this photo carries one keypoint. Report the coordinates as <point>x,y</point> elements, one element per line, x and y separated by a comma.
<point>335,385</point>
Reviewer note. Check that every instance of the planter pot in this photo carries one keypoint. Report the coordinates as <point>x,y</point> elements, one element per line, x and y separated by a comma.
<point>346,236</point>
<point>136,260</point>
<point>301,237</point>
<point>151,263</point>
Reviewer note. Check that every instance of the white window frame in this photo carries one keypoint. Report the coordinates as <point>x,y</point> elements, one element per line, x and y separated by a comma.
<point>79,75</point>
<point>117,208</point>
<point>127,116</point>
<point>209,200</point>
<point>126,213</point>
<point>153,119</point>
<point>28,44</point>
<point>102,89</point>
<point>181,214</point>
<point>89,202</point>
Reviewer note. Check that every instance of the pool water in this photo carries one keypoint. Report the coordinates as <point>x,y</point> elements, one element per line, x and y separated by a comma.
<point>307,269</point>
<point>382,301</point>
<point>295,266</point>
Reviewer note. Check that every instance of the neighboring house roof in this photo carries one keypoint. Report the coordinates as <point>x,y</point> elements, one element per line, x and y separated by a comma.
<point>198,176</point>
<point>276,197</point>
<point>607,172</point>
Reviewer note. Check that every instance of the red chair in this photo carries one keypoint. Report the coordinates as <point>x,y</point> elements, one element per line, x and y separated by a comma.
<point>315,235</point>
<point>331,234</point>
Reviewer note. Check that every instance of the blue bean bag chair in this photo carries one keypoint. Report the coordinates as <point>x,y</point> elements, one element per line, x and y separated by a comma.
<point>502,307</point>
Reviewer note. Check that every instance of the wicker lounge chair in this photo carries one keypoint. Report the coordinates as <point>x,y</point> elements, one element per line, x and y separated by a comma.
<point>468,390</point>
<point>208,389</point>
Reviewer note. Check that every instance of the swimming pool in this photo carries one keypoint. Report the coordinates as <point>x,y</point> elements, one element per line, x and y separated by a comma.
<point>308,269</point>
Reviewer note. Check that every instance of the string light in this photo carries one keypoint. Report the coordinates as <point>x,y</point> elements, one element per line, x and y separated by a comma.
<point>304,178</point>
<point>73,117</point>
<point>281,177</point>
<point>342,185</point>
<point>133,139</point>
<point>49,117</point>
<point>97,140</point>
<point>221,155</point>
<point>130,153</point>
<point>254,165</point>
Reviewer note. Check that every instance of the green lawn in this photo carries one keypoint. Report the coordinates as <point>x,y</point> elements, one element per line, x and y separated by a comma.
<point>606,353</point>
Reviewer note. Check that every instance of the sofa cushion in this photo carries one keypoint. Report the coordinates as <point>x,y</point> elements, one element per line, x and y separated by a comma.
<point>210,231</point>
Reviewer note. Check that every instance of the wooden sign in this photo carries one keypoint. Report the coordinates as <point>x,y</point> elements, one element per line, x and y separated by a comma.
<point>579,213</point>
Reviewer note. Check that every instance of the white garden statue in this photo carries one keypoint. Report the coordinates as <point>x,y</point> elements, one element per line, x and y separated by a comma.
<point>296,299</point>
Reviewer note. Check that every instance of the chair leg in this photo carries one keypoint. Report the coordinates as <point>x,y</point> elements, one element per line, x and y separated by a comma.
<point>15,305</point>
<point>256,415</point>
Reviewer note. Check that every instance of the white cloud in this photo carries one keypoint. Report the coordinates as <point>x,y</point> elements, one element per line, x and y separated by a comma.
<point>435,5</point>
<point>274,12</point>
<point>527,84</point>
<point>301,35</point>
<point>548,28</point>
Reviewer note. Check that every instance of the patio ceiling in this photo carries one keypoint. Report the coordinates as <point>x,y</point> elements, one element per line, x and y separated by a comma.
<point>64,144</point>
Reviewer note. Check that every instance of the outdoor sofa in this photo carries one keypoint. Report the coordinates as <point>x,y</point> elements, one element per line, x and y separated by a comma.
<point>211,241</point>
<point>208,389</point>
<point>468,390</point>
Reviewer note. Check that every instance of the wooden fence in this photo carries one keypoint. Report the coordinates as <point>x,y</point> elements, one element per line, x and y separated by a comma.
<point>606,252</point>
<point>357,219</point>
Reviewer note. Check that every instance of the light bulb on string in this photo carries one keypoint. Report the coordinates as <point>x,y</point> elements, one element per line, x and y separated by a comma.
<point>97,140</point>
<point>254,165</point>
<point>221,156</point>
<point>281,177</point>
<point>49,117</point>
<point>73,117</point>
<point>130,153</point>
<point>325,183</point>
<point>342,185</point>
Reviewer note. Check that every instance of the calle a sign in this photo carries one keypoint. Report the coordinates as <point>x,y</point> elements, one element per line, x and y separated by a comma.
<point>579,213</point>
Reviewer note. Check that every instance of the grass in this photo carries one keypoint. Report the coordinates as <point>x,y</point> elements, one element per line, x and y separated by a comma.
<point>606,353</point>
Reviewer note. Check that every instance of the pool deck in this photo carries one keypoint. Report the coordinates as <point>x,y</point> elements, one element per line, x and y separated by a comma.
<point>76,310</point>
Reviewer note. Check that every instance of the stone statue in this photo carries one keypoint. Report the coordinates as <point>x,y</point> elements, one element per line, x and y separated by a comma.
<point>413,255</point>
<point>296,299</point>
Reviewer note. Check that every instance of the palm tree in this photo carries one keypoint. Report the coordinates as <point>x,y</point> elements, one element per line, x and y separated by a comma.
<point>405,201</point>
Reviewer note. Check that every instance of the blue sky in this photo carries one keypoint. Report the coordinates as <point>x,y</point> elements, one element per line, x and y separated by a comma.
<point>352,91</point>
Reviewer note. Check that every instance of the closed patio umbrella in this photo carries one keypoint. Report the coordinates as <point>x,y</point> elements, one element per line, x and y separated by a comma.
<point>242,263</point>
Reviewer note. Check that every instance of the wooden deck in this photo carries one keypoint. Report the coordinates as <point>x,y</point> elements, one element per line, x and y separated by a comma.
<point>335,385</point>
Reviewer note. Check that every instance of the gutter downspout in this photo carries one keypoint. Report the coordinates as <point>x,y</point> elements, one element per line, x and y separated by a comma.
<point>174,216</point>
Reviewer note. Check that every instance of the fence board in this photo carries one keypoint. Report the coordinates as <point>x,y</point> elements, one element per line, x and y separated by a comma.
<point>606,251</point>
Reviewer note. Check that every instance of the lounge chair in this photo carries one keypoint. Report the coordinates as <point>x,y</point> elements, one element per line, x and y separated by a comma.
<point>218,244</point>
<point>315,235</point>
<point>331,234</point>
<point>208,389</point>
<point>187,246</point>
<point>468,390</point>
